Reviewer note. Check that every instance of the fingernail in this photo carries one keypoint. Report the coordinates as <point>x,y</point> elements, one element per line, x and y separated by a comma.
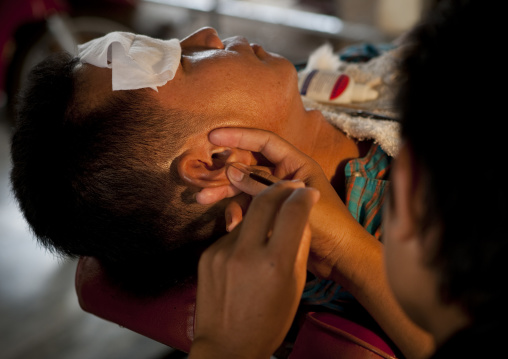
<point>228,222</point>
<point>235,172</point>
<point>232,226</point>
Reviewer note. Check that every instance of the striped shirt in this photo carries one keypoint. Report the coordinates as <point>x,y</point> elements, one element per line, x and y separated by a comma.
<point>366,186</point>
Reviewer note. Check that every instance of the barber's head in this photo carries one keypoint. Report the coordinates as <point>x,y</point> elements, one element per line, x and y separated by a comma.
<point>445,226</point>
<point>112,174</point>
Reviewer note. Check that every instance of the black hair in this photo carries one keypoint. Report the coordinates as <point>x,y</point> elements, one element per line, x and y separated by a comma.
<point>449,100</point>
<point>93,180</point>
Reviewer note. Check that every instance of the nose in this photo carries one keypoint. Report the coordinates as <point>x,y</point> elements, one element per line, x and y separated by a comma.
<point>206,37</point>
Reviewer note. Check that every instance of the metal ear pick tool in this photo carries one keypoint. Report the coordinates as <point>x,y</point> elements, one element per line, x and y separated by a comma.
<point>257,175</point>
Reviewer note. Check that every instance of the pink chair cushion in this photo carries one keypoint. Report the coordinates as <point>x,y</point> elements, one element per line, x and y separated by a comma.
<point>168,318</point>
<point>326,335</point>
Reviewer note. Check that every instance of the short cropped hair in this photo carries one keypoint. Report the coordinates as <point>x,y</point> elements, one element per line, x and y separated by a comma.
<point>448,102</point>
<point>89,179</point>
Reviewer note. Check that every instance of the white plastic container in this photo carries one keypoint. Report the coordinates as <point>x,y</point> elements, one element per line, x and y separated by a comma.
<point>334,87</point>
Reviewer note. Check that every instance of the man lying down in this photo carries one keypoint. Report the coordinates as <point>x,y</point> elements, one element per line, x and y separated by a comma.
<point>111,150</point>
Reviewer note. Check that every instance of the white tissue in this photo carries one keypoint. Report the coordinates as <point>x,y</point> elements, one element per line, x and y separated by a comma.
<point>137,61</point>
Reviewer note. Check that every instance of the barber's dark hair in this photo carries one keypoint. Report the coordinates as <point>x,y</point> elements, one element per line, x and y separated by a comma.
<point>89,179</point>
<point>451,101</point>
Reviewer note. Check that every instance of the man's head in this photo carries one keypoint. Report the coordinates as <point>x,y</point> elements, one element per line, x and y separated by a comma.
<point>113,174</point>
<point>445,229</point>
<point>89,171</point>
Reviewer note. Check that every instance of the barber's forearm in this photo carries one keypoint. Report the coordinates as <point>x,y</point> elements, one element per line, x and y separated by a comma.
<point>202,350</point>
<point>206,350</point>
<point>360,269</point>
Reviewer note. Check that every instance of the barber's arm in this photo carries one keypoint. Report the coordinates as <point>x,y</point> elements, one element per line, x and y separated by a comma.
<point>341,249</point>
<point>250,281</point>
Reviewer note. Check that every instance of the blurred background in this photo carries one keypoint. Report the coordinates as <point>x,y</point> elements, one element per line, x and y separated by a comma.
<point>39,313</point>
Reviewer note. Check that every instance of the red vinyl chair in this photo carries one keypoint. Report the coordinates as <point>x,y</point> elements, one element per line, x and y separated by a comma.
<point>326,335</point>
<point>169,319</point>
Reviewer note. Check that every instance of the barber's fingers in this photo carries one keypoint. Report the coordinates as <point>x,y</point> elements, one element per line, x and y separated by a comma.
<point>273,147</point>
<point>238,175</point>
<point>258,221</point>
<point>292,221</point>
<point>235,209</point>
<point>210,195</point>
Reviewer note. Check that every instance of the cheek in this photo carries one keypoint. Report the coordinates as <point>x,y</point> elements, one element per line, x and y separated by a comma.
<point>391,250</point>
<point>403,276</point>
<point>280,96</point>
<point>240,93</point>
<point>397,276</point>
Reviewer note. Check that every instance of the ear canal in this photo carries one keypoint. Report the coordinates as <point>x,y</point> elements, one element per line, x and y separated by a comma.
<point>201,174</point>
<point>205,169</point>
<point>208,168</point>
<point>219,159</point>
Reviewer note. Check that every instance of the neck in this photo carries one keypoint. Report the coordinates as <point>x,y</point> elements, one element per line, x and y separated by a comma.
<point>327,145</point>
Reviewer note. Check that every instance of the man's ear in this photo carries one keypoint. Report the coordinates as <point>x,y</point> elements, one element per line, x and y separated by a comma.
<point>206,166</point>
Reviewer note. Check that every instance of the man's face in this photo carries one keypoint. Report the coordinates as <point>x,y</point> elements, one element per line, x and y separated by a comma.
<point>231,83</point>
<point>222,83</point>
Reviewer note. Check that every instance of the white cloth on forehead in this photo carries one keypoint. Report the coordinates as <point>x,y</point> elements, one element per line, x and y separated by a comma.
<point>137,61</point>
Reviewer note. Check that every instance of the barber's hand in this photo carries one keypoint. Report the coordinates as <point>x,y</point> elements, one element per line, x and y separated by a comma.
<point>333,228</point>
<point>250,281</point>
